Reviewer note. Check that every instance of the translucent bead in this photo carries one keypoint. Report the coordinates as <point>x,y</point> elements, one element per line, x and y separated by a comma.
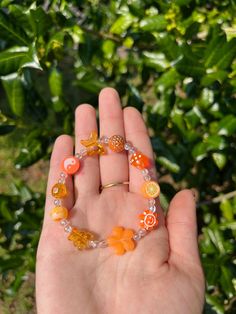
<point>145,172</point>
<point>153,208</point>
<point>63,175</point>
<point>58,213</point>
<point>59,190</point>
<point>83,152</point>
<point>137,237</point>
<point>132,150</point>
<point>68,229</point>
<point>151,202</point>
<point>57,202</point>
<point>78,155</point>
<point>142,232</point>
<point>147,177</point>
<point>64,222</point>
<point>61,180</point>
<point>127,146</point>
<point>93,244</point>
<point>80,238</point>
<point>102,244</point>
<point>104,139</point>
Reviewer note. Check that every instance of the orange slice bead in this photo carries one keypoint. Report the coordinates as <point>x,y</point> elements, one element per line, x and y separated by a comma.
<point>70,165</point>
<point>139,160</point>
<point>150,189</point>
<point>59,190</point>
<point>58,213</point>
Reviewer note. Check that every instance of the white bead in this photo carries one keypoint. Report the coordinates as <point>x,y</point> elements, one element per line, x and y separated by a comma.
<point>132,150</point>
<point>62,180</point>
<point>68,229</point>
<point>64,222</point>
<point>142,232</point>
<point>137,237</point>
<point>57,202</point>
<point>63,175</point>
<point>78,155</point>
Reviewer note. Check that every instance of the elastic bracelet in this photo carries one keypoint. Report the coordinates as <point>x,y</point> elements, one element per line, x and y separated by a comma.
<point>121,240</point>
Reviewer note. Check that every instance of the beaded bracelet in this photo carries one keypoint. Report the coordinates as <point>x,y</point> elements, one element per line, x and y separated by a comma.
<point>121,239</point>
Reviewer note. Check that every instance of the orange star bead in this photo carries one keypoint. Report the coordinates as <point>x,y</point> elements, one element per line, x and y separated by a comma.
<point>116,143</point>
<point>148,220</point>
<point>121,240</point>
<point>139,160</point>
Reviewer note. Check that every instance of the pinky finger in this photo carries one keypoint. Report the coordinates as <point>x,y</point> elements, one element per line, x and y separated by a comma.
<point>63,148</point>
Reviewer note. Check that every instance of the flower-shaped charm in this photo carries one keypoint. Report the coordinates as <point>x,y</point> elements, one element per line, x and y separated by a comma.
<point>121,240</point>
<point>148,220</point>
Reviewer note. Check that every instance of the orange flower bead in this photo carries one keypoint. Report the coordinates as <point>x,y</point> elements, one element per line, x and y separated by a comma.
<point>71,165</point>
<point>116,143</point>
<point>139,160</point>
<point>148,220</point>
<point>58,213</point>
<point>121,240</point>
<point>59,190</point>
<point>150,189</point>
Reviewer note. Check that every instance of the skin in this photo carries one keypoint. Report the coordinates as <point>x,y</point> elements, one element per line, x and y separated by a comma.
<point>162,275</point>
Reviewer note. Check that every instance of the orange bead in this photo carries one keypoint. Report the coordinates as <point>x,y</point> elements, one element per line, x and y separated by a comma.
<point>58,213</point>
<point>150,189</point>
<point>121,240</point>
<point>70,165</point>
<point>116,143</point>
<point>80,238</point>
<point>139,160</point>
<point>148,220</point>
<point>59,190</point>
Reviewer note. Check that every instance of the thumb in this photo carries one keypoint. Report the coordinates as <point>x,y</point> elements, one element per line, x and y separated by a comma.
<point>182,227</point>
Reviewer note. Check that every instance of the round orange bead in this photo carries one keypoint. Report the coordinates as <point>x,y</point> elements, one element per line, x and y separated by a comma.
<point>148,220</point>
<point>116,143</point>
<point>139,160</point>
<point>150,189</point>
<point>71,165</point>
<point>58,213</point>
<point>59,190</point>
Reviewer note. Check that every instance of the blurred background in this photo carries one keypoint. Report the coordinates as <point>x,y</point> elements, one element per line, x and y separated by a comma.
<point>175,61</point>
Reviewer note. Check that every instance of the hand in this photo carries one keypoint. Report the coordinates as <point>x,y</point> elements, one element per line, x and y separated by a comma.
<point>162,275</point>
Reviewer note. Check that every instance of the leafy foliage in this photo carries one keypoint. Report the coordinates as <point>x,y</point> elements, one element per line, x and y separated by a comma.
<point>173,60</point>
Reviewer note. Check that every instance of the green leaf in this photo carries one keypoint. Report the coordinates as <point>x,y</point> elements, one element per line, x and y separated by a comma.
<point>168,79</point>
<point>199,151</point>
<point>168,164</point>
<point>40,21</point>
<point>215,142</point>
<point>13,87</point>
<point>227,126</point>
<point>227,210</point>
<point>220,159</point>
<point>6,125</point>
<point>153,23</point>
<point>10,60</point>
<point>29,153</point>
<point>55,82</point>
<point>12,31</point>
<point>155,60</point>
<point>226,281</point>
<point>5,210</point>
<point>121,25</point>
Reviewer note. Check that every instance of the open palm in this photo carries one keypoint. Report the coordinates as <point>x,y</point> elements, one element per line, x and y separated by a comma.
<point>162,275</point>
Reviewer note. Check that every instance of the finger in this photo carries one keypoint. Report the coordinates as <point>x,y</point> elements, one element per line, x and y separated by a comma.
<point>136,133</point>
<point>182,226</point>
<point>63,148</point>
<point>113,166</point>
<point>87,179</point>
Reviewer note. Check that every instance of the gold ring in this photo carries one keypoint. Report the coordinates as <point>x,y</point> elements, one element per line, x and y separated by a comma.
<point>109,185</point>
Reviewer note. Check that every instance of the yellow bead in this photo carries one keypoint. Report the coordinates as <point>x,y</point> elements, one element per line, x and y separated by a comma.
<point>58,213</point>
<point>150,189</point>
<point>59,190</point>
<point>80,238</point>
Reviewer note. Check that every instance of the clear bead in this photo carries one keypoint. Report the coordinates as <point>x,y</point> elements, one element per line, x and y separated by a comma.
<point>142,232</point>
<point>153,208</point>
<point>63,175</point>
<point>93,244</point>
<point>147,177</point>
<point>145,172</point>
<point>57,202</point>
<point>127,146</point>
<point>83,152</point>
<point>102,243</point>
<point>68,229</point>
<point>137,237</point>
<point>61,180</point>
<point>78,155</point>
<point>151,202</point>
<point>132,150</point>
<point>64,222</point>
<point>104,139</point>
